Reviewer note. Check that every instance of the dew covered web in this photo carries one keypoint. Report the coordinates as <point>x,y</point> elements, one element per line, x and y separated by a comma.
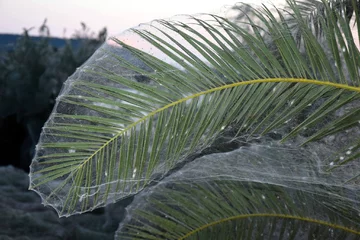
<point>150,120</point>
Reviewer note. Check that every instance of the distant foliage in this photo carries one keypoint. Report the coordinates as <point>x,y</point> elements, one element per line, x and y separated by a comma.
<point>31,76</point>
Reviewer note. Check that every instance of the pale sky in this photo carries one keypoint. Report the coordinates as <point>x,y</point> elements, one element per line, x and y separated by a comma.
<point>116,15</point>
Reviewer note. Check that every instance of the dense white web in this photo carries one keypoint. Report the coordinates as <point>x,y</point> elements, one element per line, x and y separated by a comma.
<point>110,132</point>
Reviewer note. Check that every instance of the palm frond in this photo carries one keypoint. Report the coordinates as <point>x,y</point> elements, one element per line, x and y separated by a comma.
<point>315,13</point>
<point>110,136</point>
<point>232,199</point>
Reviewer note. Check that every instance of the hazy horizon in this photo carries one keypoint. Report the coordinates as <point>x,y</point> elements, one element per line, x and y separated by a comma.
<point>64,16</point>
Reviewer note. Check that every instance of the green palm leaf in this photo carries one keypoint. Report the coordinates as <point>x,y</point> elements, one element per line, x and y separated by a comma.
<point>111,136</point>
<point>232,199</point>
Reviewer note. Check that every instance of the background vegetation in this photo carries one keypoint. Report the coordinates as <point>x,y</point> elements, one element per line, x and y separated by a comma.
<point>31,76</point>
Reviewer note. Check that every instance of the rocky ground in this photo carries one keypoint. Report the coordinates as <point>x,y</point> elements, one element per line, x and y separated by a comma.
<point>23,217</point>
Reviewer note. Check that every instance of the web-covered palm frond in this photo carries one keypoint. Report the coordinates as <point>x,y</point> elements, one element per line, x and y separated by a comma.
<point>234,210</point>
<point>134,115</point>
<point>315,10</point>
<point>246,194</point>
<point>315,15</point>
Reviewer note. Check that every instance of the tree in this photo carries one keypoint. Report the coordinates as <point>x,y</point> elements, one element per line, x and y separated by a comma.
<point>272,86</point>
<point>31,76</point>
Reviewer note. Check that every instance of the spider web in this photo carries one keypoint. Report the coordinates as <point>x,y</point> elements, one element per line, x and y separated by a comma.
<point>241,159</point>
